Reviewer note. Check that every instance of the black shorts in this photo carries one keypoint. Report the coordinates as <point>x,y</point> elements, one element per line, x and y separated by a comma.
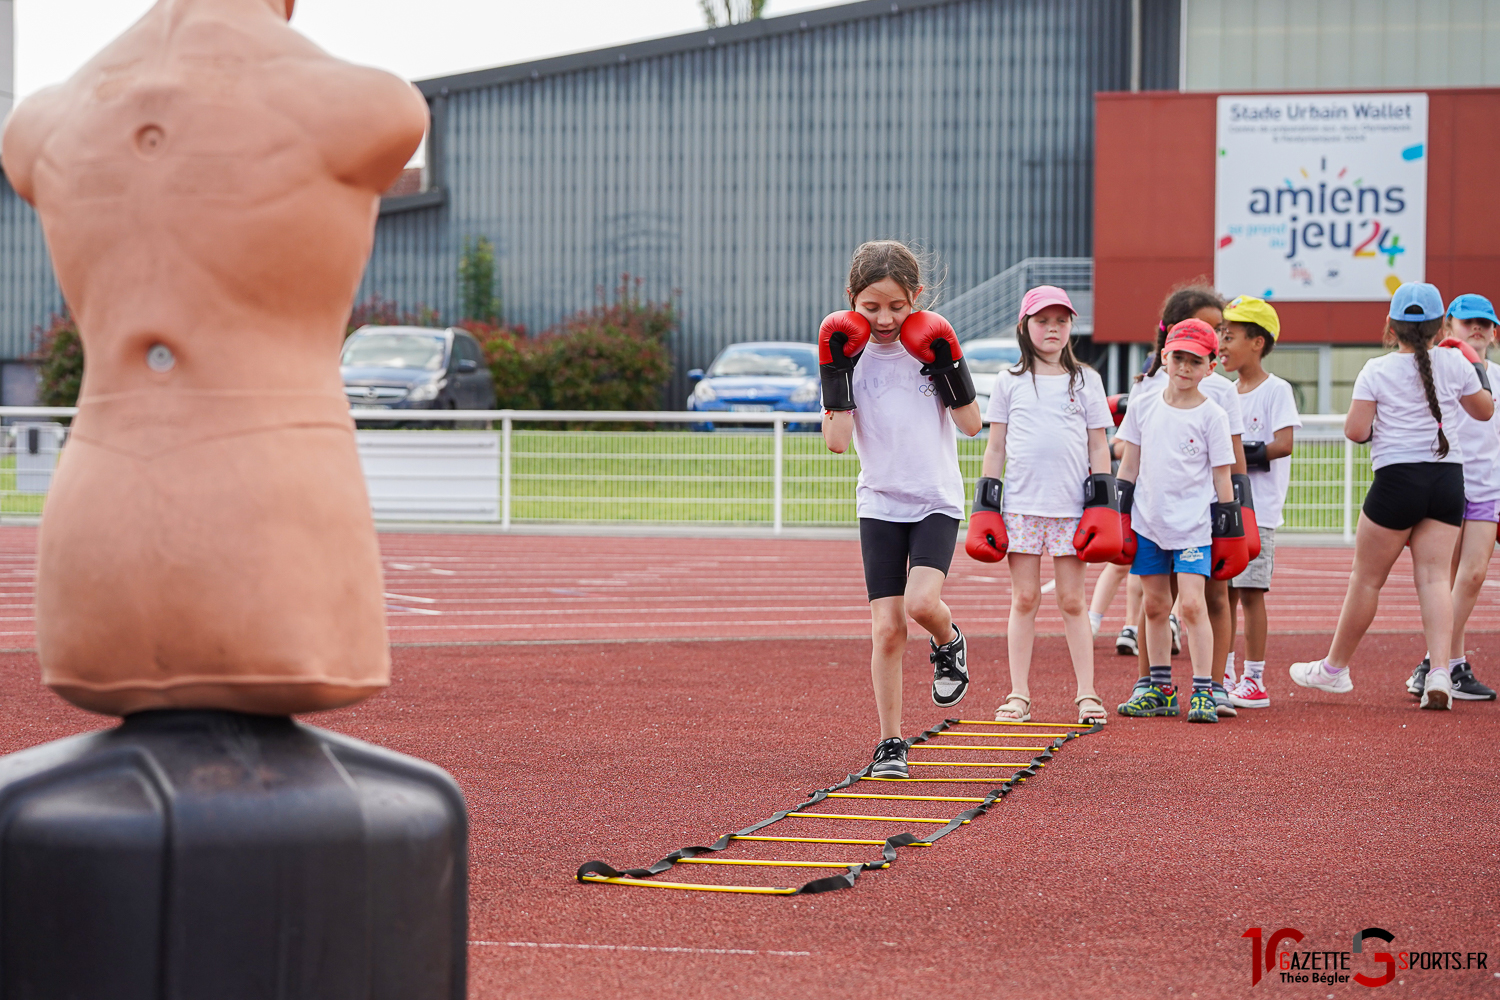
<point>888,547</point>
<point>1408,492</point>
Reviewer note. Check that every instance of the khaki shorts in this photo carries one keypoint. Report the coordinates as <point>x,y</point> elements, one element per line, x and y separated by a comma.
<point>1257,575</point>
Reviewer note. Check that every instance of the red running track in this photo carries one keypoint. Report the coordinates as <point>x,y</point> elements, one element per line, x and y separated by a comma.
<point>528,588</point>
<point>1129,869</point>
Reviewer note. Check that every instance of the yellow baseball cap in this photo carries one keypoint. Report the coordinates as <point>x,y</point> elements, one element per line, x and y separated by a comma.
<point>1249,309</point>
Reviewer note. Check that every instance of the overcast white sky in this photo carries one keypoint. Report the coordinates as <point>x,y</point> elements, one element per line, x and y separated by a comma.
<point>414,38</point>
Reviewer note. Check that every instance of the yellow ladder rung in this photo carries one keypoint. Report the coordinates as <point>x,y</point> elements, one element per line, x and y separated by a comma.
<point>775,864</point>
<point>1014,736</point>
<point>999,722</point>
<point>767,891</point>
<point>909,798</point>
<point>822,840</point>
<point>928,781</point>
<point>968,763</point>
<point>877,819</point>
<point>973,746</point>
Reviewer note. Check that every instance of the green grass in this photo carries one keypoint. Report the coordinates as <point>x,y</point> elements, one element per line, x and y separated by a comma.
<point>727,477</point>
<point>12,502</point>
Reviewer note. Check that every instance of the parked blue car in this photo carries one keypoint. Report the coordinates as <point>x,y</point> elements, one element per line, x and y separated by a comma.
<point>757,378</point>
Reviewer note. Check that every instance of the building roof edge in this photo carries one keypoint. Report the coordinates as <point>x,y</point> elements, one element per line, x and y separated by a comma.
<point>692,41</point>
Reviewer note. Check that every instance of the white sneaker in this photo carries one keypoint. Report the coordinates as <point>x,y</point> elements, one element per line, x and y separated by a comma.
<point>1438,690</point>
<point>1312,675</point>
<point>1176,634</point>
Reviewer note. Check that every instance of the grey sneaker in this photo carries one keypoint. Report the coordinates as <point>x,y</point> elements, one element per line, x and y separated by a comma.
<point>950,671</point>
<point>1418,679</point>
<point>1466,686</point>
<point>1222,704</point>
<point>890,759</point>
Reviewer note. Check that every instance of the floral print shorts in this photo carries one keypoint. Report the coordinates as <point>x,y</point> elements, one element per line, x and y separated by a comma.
<point>1032,534</point>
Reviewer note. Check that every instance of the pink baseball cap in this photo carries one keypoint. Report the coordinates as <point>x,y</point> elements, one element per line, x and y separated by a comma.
<point>1043,296</point>
<point>1193,335</point>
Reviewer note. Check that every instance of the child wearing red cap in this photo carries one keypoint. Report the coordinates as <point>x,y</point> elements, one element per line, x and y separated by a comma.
<point>1180,516</point>
<point>1048,416</point>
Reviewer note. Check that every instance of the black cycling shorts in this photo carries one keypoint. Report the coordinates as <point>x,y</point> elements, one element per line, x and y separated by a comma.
<point>1406,493</point>
<point>889,547</point>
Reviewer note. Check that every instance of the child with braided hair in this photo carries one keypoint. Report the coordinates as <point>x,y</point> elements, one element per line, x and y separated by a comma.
<point>1402,403</point>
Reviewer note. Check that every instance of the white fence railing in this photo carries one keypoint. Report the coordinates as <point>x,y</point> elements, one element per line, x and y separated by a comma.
<point>772,469</point>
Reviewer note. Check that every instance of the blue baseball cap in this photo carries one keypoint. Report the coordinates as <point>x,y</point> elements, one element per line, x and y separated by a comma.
<point>1471,306</point>
<point>1416,302</point>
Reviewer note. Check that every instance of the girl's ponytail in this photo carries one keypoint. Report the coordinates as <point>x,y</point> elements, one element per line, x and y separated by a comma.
<point>1418,336</point>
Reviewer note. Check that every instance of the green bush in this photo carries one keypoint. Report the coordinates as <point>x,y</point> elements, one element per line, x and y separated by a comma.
<point>611,357</point>
<point>60,353</point>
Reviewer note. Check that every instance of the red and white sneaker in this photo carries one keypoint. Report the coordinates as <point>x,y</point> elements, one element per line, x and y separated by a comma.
<point>1249,694</point>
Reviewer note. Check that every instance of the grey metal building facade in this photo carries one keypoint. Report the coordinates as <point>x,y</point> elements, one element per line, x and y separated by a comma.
<point>734,169</point>
<point>737,168</point>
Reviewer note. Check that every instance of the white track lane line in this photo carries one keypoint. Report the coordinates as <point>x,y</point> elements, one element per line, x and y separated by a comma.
<point>639,947</point>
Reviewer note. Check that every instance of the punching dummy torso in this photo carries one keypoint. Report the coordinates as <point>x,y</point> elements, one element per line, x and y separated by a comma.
<point>208,185</point>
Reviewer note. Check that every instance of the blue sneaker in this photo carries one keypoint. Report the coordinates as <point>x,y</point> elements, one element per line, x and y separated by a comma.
<point>1201,706</point>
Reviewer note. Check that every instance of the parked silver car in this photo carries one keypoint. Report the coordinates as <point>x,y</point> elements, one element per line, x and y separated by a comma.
<point>415,368</point>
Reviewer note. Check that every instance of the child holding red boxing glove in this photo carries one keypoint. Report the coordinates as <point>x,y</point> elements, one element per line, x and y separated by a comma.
<point>1174,483</point>
<point>895,385</point>
<point>1048,416</point>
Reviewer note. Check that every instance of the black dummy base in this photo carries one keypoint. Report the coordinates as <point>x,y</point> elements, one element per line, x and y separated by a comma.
<point>207,855</point>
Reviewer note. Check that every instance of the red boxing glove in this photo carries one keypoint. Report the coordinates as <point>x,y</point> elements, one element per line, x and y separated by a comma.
<point>1243,493</point>
<point>930,339</point>
<point>1099,535</point>
<point>1117,407</point>
<point>1127,533</point>
<point>987,540</point>
<point>1471,356</point>
<point>1229,555</point>
<point>841,340</point>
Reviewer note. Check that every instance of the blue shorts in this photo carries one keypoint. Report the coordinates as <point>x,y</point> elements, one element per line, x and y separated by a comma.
<point>1153,560</point>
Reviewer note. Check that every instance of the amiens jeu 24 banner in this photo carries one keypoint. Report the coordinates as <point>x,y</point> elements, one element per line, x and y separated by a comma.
<point>1320,197</point>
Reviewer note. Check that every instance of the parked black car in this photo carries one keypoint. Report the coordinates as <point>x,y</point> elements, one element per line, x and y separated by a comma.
<point>415,368</point>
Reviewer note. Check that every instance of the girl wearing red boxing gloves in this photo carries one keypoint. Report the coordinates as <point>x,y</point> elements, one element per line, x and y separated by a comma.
<point>895,385</point>
<point>1047,416</point>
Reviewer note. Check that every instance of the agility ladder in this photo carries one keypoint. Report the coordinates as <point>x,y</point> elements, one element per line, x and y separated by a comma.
<point>598,871</point>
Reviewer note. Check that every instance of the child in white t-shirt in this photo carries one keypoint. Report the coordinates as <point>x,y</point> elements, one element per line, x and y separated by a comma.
<point>878,395</point>
<point>1175,491</point>
<point>1270,413</point>
<point>1403,401</point>
<point>1047,416</point>
<point>1216,592</point>
<point>1471,320</point>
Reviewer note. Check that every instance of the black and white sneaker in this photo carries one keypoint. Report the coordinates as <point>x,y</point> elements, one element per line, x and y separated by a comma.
<point>950,671</point>
<point>1176,634</point>
<point>1418,680</point>
<point>1466,686</point>
<point>890,759</point>
<point>1126,643</point>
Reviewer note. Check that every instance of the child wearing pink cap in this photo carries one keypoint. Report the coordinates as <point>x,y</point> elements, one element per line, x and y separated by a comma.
<point>1048,416</point>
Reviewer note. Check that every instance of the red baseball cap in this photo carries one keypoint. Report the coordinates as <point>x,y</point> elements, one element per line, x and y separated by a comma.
<point>1193,335</point>
<point>1043,296</point>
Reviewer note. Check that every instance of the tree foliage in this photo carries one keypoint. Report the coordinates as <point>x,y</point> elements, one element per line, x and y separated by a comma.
<point>476,281</point>
<point>59,355</point>
<point>725,12</point>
